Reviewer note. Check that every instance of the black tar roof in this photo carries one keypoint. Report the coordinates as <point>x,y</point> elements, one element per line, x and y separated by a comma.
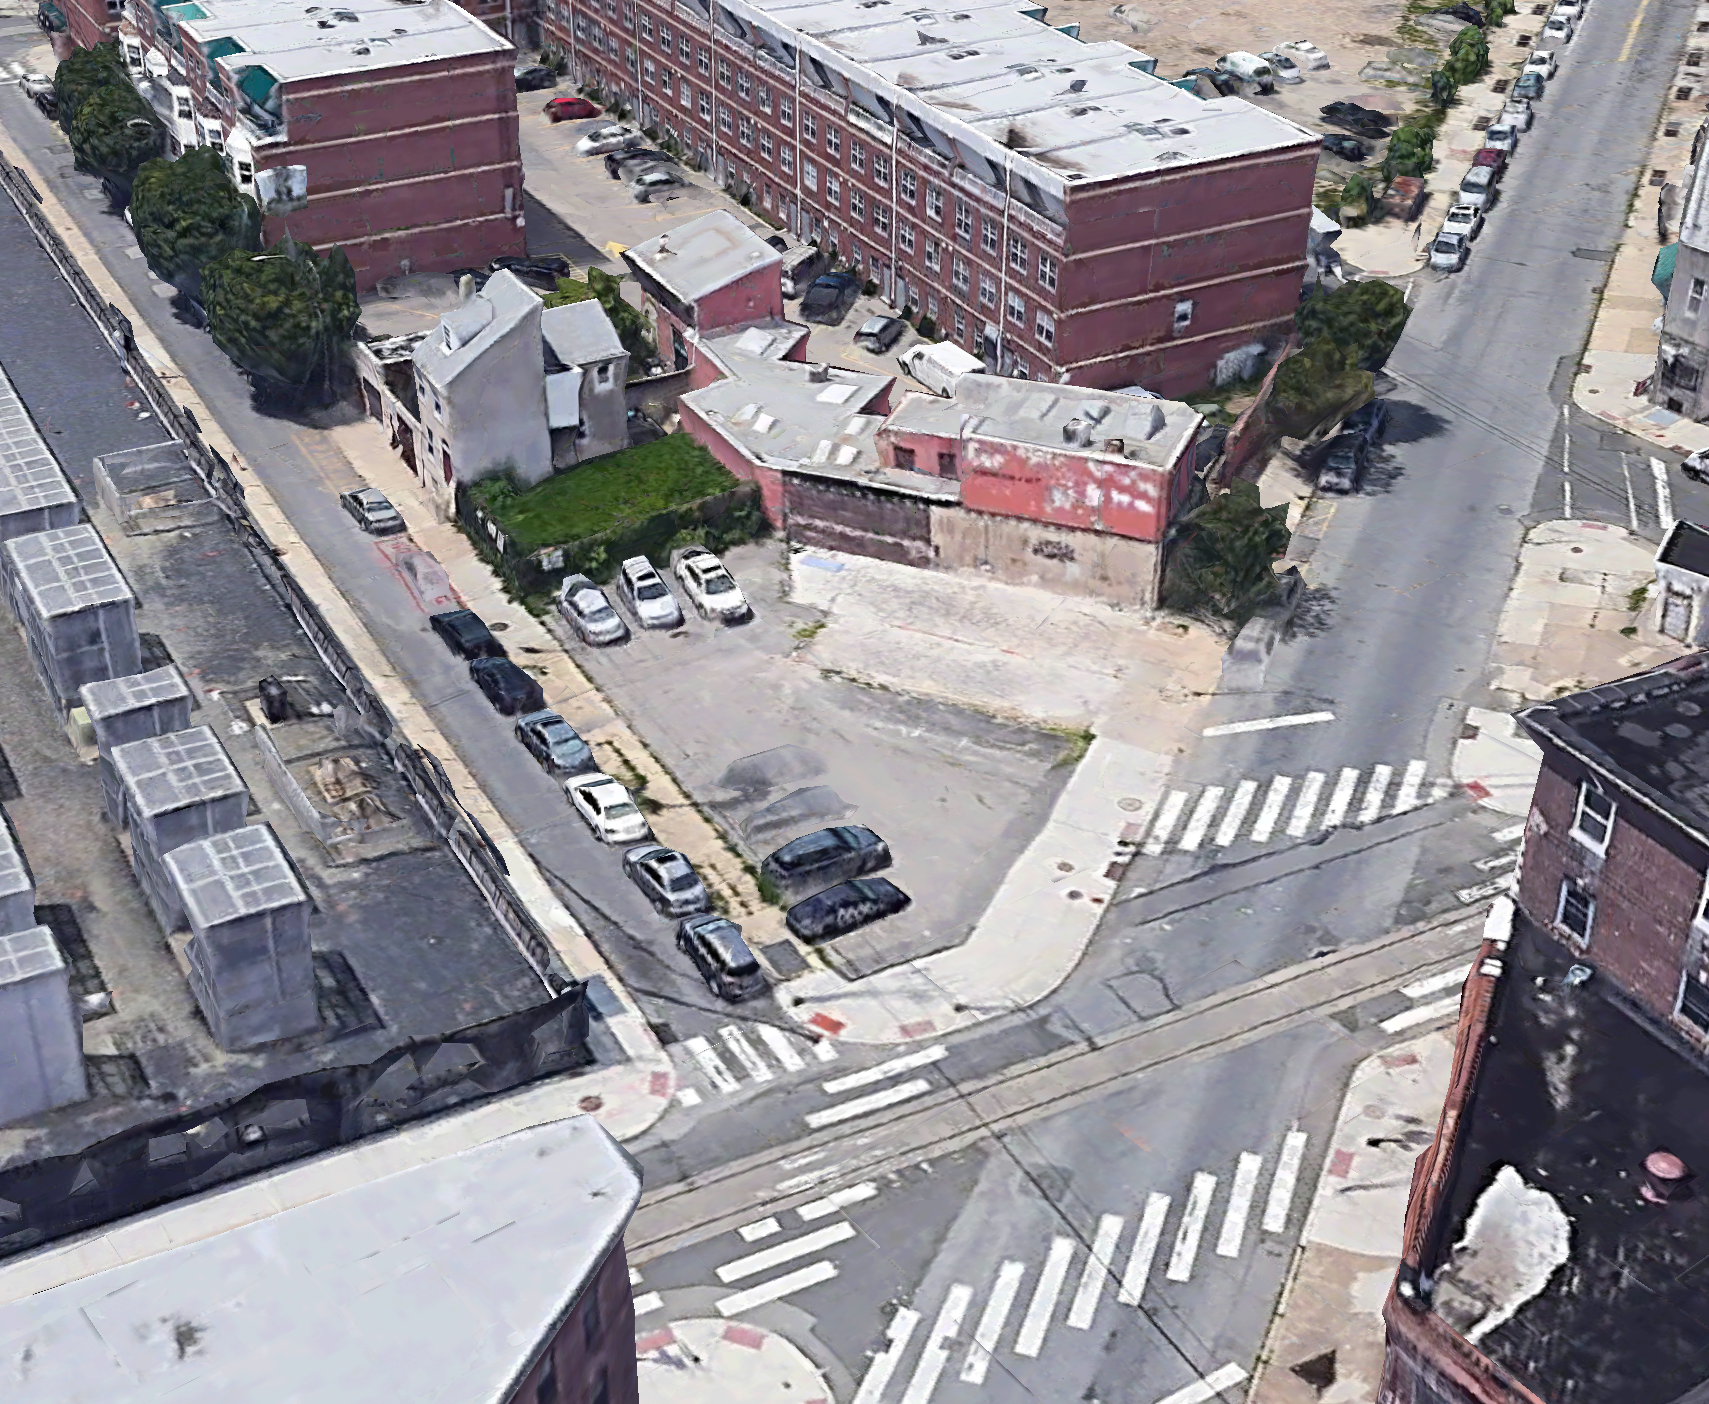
<point>1575,1091</point>
<point>1686,546</point>
<point>1649,732</point>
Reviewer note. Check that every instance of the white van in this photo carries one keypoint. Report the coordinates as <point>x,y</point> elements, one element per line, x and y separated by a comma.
<point>938,365</point>
<point>801,265</point>
<point>1249,67</point>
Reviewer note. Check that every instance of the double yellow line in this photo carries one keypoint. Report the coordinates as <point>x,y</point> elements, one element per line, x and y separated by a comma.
<point>1632,33</point>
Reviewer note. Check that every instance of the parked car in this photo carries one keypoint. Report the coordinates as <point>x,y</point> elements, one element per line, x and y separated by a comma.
<point>818,860</point>
<point>506,685</point>
<point>830,298</point>
<point>1352,111</point>
<point>1249,68</point>
<point>586,609</point>
<point>1528,85</point>
<point>1502,137</point>
<point>1571,9</point>
<point>1477,187</point>
<point>1541,61</point>
<point>1696,466</point>
<point>1343,464</point>
<point>465,635</point>
<point>1462,12</point>
<point>555,264</point>
<point>603,139</point>
<point>554,743</point>
<point>1557,29</point>
<point>1307,53</point>
<point>635,156</point>
<point>48,104</point>
<point>715,945</point>
<point>1358,122</point>
<point>531,77</point>
<point>1285,69</point>
<point>1467,220</point>
<point>608,808</point>
<point>879,334</point>
<point>845,908</point>
<point>33,83</point>
<point>667,880</point>
<point>565,108</point>
<point>371,511</point>
<point>649,185</point>
<point>1516,113</point>
<point>801,265</point>
<point>1491,156</point>
<point>1345,147</point>
<point>1226,84</point>
<point>1448,252</point>
<point>648,597</point>
<point>710,588</point>
<point>1371,420</point>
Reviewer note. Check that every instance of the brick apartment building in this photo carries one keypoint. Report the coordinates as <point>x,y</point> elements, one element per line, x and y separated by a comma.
<point>403,117</point>
<point>1554,1246</point>
<point>1050,204</point>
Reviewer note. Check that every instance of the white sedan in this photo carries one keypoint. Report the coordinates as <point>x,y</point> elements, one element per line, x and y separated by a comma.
<point>603,139</point>
<point>609,809</point>
<point>1305,53</point>
<point>1542,61</point>
<point>1558,29</point>
<point>1465,220</point>
<point>711,588</point>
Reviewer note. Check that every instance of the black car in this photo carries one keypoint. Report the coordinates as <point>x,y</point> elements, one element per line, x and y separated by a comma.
<point>542,271</point>
<point>815,861</point>
<point>715,945</point>
<point>49,105</point>
<point>530,77</point>
<point>370,509</point>
<point>667,880</point>
<point>778,242</point>
<point>1354,112</point>
<point>846,908</point>
<point>1345,147</point>
<point>831,295</point>
<point>506,686</point>
<point>1370,420</point>
<point>1226,84</point>
<point>616,161</point>
<point>465,634</point>
<point>879,334</point>
<point>1343,464</point>
<point>554,743</point>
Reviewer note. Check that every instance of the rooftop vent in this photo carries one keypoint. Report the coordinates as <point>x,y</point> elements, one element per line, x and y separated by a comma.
<point>921,37</point>
<point>1172,156</point>
<point>345,16</point>
<point>1077,86</point>
<point>1081,111</point>
<point>963,53</point>
<point>818,373</point>
<point>361,50</point>
<point>1667,1178</point>
<point>1077,432</point>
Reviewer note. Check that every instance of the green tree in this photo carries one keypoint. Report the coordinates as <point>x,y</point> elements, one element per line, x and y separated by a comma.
<point>187,213</point>
<point>1409,152</point>
<point>1468,56</point>
<point>627,321</point>
<point>1497,11</point>
<point>1223,565</point>
<point>284,317</point>
<point>1358,196</point>
<point>113,133</point>
<point>82,74</point>
<point>1363,321</point>
<point>569,290</point>
<point>1443,90</point>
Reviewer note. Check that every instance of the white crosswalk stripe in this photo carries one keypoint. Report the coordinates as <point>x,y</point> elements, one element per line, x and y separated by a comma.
<point>1371,808</point>
<point>991,1322</point>
<point>1144,1252</point>
<point>877,1378</point>
<point>1409,783</point>
<point>1193,1218</point>
<point>1239,1205</point>
<point>781,1049</point>
<point>776,1289</point>
<point>750,1056</point>
<point>1306,805</point>
<point>786,1252</point>
<point>1271,810</point>
<point>1235,815</point>
<point>1168,816</point>
<point>936,1353</point>
<point>711,1064</point>
<point>1043,1305</point>
<point>1096,1272</point>
<point>1283,1183</point>
<point>744,1053</point>
<point>1335,812</point>
<point>1209,798</point>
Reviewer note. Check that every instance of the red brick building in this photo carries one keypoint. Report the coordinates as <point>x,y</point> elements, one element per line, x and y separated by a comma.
<point>403,118</point>
<point>1554,1245</point>
<point>1051,205</point>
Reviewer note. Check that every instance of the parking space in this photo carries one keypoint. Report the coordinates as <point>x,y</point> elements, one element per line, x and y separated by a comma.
<point>775,746</point>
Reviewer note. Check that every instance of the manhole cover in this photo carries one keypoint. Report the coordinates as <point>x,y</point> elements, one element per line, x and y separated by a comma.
<point>1064,866</point>
<point>591,1104</point>
<point>1130,804</point>
<point>498,626</point>
<point>1075,894</point>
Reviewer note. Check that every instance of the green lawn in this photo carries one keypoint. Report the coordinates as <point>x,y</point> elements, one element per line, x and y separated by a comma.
<point>609,492</point>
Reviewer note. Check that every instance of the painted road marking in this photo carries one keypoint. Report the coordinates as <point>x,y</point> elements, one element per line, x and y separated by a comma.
<point>1508,835</point>
<point>877,1378</point>
<point>745,1054</point>
<point>1239,1205</point>
<point>1043,1305</point>
<point>1168,816</point>
<point>1664,494</point>
<point>648,1301</point>
<point>841,1199</point>
<point>1268,724</point>
<point>1409,786</point>
<point>1201,1391</point>
<point>1435,984</point>
<point>687,1097</point>
<point>934,1355</point>
<point>1342,796</point>
<point>1192,1226</point>
<point>1424,1014</point>
<point>825,1051</point>
<point>1305,804</point>
<point>1235,815</point>
<point>787,1252</point>
<point>1467,895</point>
<point>1284,1182</point>
<point>889,1097</point>
<point>1497,863</point>
<point>991,1322</point>
<point>1271,810</point>
<point>1372,807</point>
<point>781,1049</point>
<point>711,1064</point>
<point>764,1228</point>
<point>634,1278</point>
<point>808,1180</point>
<point>1097,1270</point>
<point>1209,798</point>
<point>778,1287</point>
<point>1144,1250</point>
<point>906,1063</point>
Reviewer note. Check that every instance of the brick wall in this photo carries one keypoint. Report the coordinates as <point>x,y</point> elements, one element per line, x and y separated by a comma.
<point>591,1357</point>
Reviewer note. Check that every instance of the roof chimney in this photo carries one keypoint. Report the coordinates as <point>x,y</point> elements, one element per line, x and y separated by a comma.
<point>465,288</point>
<point>1667,1178</point>
<point>665,245</point>
<point>818,372</point>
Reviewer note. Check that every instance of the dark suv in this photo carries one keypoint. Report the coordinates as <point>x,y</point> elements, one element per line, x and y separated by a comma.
<point>715,945</point>
<point>1369,420</point>
<point>465,635</point>
<point>816,861</point>
<point>846,908</point>
<point>554,743</point>
<point>506,686</point>
<point>1343,464</point>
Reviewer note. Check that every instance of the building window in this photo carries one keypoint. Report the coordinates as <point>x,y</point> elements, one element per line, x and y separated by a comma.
<point>1017,255</point>
<point>703,61</point>
<point>765,100</point>
<point>744,86</point>
<point>904,458</point>
<point>1183,314</point>
<point>724,72</point>
<point>964,221</point>
<point>646,26</point>
<point>881,168</point>
<point>809,174</point>
<point>857,204</point>
<point>686,93</point>
<point>1017,309</point>
<point>958,276</point>
<point>1577,911</point>
<point>857,156</point>
<point>988,235</point>
<point>880,217</point>
<point>833,189</point>
<point>725,125</point>
<point>745,131</point>
<point>905,237</point>
<point>647,70</point>
<point>684,49</point>
<point>705,107</point>
<point>1045,328</point>
<point>906,182</point>
<point>934,255</point>
<point>833,141</point>
<point>1681,374</point>
<point>960,326</point>
<point>786,159</point>
<point>934,202</point>
<point>785,109</point>
<point>1694,299</point>
<point>765,144</point>
<point>987,289</point>
<point>1046,271</point>
<point>664,36</point>
<point>665,81</point>
<point>809,127</point>
<point>1593,819</point>
<point>1020,370</point>
<point>946,465</point>
<point>854,255</point>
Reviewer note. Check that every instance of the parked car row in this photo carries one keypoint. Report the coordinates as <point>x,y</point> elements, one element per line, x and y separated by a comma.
<point>701,576</point>
<point>646,172</point>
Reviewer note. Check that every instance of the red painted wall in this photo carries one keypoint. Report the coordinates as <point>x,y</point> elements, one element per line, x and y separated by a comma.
<point>732,457</point>
<point>1064,488</point>
<point>754,297</point>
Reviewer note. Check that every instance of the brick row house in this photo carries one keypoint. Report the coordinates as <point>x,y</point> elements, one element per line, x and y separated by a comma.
<point>1051,204</point>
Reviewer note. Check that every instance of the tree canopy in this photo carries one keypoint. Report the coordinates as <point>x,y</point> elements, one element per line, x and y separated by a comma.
<point>114,132</point>
<point>187,213</point>
<point>1223,566</point>
<point>626,321</point>
<point>82,74</point>
<point>283,316</point>
<point>1362,320</point>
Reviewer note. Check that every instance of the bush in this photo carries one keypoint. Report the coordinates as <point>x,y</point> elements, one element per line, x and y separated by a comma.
<point>630,326</point>
<point>1358,196</point>
<point>114,133</point>
<point>283,317</point>
<point>1497,11</point>
<point>1223,565</point>
<point>1409,152</point>
<point>1443,90</point>
<point>1468,56</point>
<point>187,214</point>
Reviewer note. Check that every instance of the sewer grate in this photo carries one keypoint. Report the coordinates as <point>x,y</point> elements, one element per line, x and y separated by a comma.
<point>1597,256</point>
<point>1499,86</point>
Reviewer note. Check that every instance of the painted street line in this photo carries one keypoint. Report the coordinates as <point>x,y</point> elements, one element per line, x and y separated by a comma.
<point>826,1051</point>
<point>841,1199</point>
<point>1499,862</point>
<point>1043,1305</point>
<point>877,1378</point>
<point>934,1355</point>
<point>847,1111</point>
<point>781,1048</point>
<point>1424,1014</point>
<point>1305,804</point>
<point>1168,816</point>
<point>634,1278</point>
<point>777,1288</point>
<point>1467,895</point>
<point>1192,1226</point>
<point>1284,1182</point>
<point>1271,811</point>
<point>1409,784</point>
<point>1372,806</point>
<point>1664,494</point>
<point>1435,984</point>
<point>1235,815</point>
<point>711,1064</point>
<point>765,1228</point>
<point>786,1252</point>
<point>745,1054</point>
<point>1342,796</point>
<point>1209,799</point>
<point>1208,1388</point>
<point>648,1301</point>
<point>1509,835</point>
<point>1239,1205</point>
<point>1096,1272</point>
<point>1268,724</point>
<point>1144,1250</point>
<point>906,1063</point>
<point>991,1322</point>
<point>796,1183</point>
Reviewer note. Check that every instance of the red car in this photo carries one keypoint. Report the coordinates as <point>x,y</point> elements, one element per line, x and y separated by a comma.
<point>1490,156</point>
<point>561,109</point>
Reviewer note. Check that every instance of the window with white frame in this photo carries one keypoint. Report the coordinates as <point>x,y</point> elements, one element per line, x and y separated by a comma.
<point>1045,328</point>
<point>1020,370</point>
<point>964,221</point>
<point>1017,309</point>
<point>833,189</point>
<point>724,71</point>
<point>1576,912</point>
<point>857,204</point>
<point>809,174</point>
<point>833,141</point>
<point>1017,254</point>
<point>881,217</point>
<point>906,183</point>
<point>706,107</point>
<point>880,167</point>
<point>664,37</point>
<point>960,325</point>
<point>745,131</point>
<point>646,26</point>
<point>1694,298</point>
<point>765,143</point>
<point>857,156</point>
<point>988,235</point>
<point>686,93</point>
<point>647,70</point>
<point>786,159</point>
<point>932,306</point>
<point>744,85</point>
<point>765,99</point>
<point>934,255</point>
<point>665,81</point>
<point>1046,271</point>
<point>809,127</point>
<point>703,61</point>
<point>786,109</point>
<point>959,276</point>
<point>684,49</point>
<point>987,289</point>
<point>1593,818</point>
<point>905,237</point>
<point>934,202</point>
<point>1184,314</point>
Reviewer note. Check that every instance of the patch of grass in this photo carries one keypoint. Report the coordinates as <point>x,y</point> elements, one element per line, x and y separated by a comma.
<point>1629,632</point>
<point>1635,600</point>
<point>806,633</point>
<point>620,488</point>
<point>1079,741</point>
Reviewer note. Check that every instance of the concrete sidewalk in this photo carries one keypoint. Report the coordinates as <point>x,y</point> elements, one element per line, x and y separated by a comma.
<point>692,1361</point>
